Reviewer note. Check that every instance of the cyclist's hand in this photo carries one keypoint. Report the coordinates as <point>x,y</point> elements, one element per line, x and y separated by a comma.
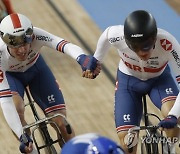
<point>92,74</point>
<point>169,122</point>
<point>26,144</point>
<point>90,66</point>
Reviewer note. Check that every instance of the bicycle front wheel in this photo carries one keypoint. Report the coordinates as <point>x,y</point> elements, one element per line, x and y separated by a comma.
<point>145,147</point>
<point>49,149</point>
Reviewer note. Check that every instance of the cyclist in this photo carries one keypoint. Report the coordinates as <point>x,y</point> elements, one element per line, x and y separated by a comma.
<point>5,8</point>
<point>22,65</point>
<point>145,51</point>
<point>91,143</point>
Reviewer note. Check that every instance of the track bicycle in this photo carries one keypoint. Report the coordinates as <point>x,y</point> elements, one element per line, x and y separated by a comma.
<point>153,141</point>
<point>41,124</point>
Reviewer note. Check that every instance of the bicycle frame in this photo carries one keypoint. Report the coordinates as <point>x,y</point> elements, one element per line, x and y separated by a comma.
<point>151,131</point>
<point>41,125</point>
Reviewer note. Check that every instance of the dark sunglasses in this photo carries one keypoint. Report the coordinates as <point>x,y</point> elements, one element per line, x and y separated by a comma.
<point>144,46</point>
<point>17,41</point>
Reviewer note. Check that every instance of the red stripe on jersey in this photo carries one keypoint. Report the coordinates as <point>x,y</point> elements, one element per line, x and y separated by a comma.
<point>169,98</point>
<point>124,128</point>
<point>154,70</point>
<point>5,93</point>
<point>56,107</point>
<point>61,45</point>
<point>15,20</point>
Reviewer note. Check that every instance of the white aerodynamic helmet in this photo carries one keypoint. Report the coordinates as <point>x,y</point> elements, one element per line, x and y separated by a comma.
<point>16,29</point>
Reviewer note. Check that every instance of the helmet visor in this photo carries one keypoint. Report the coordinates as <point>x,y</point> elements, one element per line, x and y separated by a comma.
<point>142,46</point>
<point>17,41</point>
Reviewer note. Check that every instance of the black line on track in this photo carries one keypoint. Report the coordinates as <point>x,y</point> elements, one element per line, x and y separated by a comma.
<point>85,45</point>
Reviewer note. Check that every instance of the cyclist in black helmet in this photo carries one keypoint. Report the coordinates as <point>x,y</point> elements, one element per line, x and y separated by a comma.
<point>146,53</point>
<point>140,31</point>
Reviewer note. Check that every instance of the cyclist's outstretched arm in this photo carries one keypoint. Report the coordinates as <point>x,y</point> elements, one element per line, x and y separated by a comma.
<point>66,47</point>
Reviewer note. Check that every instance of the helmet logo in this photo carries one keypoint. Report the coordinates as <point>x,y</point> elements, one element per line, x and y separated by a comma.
<point>20,30</point>
<point>137,35</point>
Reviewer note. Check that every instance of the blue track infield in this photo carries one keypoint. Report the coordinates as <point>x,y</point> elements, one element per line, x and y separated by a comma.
<point>113,12</point>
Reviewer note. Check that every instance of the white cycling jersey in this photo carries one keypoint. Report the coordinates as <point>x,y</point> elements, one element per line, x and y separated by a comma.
<point>166,50</point>
<point>9,63</point>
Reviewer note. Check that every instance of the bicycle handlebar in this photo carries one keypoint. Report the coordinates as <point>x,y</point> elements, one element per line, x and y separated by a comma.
<point>137,128</point>
<point>132,136</point>
<point>46,119</point>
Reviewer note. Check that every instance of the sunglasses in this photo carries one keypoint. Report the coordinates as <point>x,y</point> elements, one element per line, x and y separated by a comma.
<point>17,41</point>
<point>144,46</point>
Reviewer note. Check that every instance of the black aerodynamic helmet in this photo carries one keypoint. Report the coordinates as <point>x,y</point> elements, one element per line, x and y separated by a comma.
<point>140,30</point>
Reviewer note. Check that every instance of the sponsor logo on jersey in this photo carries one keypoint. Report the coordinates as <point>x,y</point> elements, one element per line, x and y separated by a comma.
<point>51,98</point>
<point>166,44</point>
<point>152,62</point>
<point>125,55</point>
<point>126,117</point>
<point>176,57</point>
<point>169,91</point>
<point>43,38</point>
<point>115,39</point>
<point>153,58</point>
<point>145,69</point>
<point>12,66</point>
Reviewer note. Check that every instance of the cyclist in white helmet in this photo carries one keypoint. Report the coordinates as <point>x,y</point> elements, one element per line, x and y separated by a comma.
<point>146,53</point>
<point>22,65</point>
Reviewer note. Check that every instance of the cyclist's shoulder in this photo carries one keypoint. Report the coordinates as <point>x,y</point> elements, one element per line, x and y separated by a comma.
<point>164,34</point>
<point>37,31</point>
<point>115,33</point>
<point>42,35</point>
<point>116,30</point>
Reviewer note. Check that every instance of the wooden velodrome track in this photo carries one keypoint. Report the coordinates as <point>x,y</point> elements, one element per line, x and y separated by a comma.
<point>89,102</point>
